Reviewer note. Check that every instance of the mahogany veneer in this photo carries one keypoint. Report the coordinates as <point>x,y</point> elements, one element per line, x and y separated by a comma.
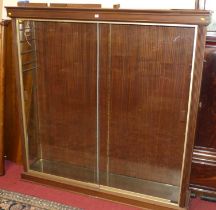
<point>198,17</point>
<point>11,121</point>
<point>203,174</point>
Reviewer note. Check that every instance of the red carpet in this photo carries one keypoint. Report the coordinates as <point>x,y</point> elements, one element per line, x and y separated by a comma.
<point>12,182</point>
<point>197,204</point>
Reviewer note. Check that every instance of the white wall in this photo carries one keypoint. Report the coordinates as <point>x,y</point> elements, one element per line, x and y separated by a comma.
<point>1,5</point>
<point>133,4</point>
<point>7,3</point>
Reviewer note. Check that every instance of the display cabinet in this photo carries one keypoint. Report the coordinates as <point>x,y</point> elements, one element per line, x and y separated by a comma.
<point>108,100</point>
<point>203,173</point>
<point>203,163</point>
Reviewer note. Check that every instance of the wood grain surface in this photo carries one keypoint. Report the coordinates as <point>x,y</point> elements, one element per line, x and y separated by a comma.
<point>194,17</point>
<point>12,139</point>
<point>203,172</point>
<point>195,94</point>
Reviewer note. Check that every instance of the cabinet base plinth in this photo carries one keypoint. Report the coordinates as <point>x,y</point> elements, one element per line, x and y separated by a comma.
<point>116,196</point>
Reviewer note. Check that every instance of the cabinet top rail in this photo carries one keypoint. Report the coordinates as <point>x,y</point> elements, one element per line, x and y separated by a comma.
<point>195,17</point>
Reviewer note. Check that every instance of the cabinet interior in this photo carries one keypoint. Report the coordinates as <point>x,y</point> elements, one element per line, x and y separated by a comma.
<point>107,103</point>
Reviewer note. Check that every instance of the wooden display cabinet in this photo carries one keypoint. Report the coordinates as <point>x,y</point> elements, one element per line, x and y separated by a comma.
<point>203,173</point>
<point>109,99</point>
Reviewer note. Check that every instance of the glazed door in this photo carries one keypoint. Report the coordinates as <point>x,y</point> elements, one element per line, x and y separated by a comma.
<point>107,103</point>
<point>144,92</point>
<point>60,91</point>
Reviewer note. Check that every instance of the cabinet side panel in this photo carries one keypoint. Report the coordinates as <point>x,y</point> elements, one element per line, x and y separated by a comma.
<point>11,121</point>
<point>198,68</point>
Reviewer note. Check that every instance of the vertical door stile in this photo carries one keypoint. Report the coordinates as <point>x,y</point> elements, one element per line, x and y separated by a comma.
<point>97,111</point>
<point>18,25</point>
<point>108,107</point>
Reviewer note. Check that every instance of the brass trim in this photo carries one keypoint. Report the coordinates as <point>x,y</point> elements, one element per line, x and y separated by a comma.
<point>98,106</point>
<point>22,92</point>
<point>110,22</point>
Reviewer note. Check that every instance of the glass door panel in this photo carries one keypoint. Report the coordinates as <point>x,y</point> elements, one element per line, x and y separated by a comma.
<point>144,92</point>
<point>107,101</point>
<point>59,72</point>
